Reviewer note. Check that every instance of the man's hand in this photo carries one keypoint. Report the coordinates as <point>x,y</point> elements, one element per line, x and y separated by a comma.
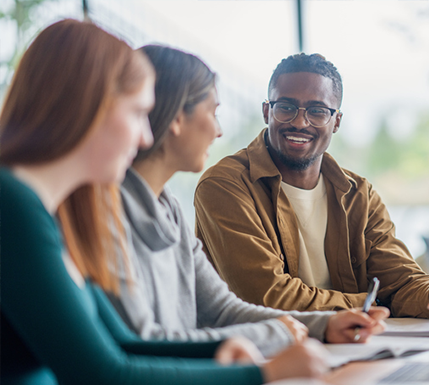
<point>341,326</point>
<point>297,329</point>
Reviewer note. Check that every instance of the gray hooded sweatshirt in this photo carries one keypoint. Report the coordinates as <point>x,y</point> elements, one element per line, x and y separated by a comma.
<point>176,294</point>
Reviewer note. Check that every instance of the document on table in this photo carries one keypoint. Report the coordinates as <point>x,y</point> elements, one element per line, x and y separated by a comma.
<point>377,348</point>
<point>407,327</point>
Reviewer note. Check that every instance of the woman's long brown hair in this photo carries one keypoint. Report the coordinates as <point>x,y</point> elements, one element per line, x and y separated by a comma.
<point>182,81</point>
<point>67,80</point>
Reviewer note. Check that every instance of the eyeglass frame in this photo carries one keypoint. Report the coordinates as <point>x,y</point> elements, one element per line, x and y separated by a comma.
<point>273,102</point>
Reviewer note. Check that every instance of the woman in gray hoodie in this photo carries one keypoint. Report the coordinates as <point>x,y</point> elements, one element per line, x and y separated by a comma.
<point>175,292</point>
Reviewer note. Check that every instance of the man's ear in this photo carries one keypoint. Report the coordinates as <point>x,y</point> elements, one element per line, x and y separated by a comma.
<point>176,124</point>
<point>265,111</point>
<point>337,121</point>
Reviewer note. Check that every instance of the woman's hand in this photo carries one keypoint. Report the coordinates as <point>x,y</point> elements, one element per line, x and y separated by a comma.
<point>238,350</point>
<point>341,326</point>
<point>297,329</point>
<point>301,360</point>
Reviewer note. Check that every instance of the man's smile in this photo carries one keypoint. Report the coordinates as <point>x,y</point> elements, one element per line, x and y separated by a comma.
<point>297,139</point>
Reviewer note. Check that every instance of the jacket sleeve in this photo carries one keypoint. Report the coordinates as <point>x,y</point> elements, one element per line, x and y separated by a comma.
<point>404,285</point>
<point>229,222</point>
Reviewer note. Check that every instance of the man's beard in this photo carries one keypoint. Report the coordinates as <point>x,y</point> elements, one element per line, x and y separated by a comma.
<point>295,164</point>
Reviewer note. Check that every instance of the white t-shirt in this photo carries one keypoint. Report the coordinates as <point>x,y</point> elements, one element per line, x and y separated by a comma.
<point>311,209</point>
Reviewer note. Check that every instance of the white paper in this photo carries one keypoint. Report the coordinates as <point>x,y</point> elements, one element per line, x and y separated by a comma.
<point>377,348</point>
<point>412,327</point>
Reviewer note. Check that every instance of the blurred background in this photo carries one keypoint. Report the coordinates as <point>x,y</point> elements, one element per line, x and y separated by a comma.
<point>381,49</point>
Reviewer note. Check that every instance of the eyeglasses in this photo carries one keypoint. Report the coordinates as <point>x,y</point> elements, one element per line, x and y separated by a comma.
<point>286,112</point>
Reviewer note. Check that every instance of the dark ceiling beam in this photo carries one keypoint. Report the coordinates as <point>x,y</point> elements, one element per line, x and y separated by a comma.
<point>85,9</point>
<point>300,27</point>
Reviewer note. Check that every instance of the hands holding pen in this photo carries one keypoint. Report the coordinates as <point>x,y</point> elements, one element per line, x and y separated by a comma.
<point>354,325</point>
<point>341,327</point>
<point>307,357</point>
<point>357,325</point>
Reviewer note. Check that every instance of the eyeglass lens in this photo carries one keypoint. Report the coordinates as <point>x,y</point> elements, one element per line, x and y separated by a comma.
<point>316,116</point>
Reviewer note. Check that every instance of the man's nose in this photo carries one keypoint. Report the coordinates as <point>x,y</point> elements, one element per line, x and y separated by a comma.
<point>300,120</point>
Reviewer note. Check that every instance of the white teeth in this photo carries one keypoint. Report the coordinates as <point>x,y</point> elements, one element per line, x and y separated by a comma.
<point>296,139</point>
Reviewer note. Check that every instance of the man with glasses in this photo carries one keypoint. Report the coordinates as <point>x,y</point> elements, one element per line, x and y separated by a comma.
<point>286,227</point>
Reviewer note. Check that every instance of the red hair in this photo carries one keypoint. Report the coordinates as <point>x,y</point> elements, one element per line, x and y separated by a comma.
<point>65,83</point>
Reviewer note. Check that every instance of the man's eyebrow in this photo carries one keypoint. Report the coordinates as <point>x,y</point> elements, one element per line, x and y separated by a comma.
<point>307,103</point>
<point>316,103</point>
<point>290,100</point>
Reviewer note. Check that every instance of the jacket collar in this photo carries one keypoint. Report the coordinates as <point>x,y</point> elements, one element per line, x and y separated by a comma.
<point>262,166</point>
<point>336,175</point>
<point>260,163</point>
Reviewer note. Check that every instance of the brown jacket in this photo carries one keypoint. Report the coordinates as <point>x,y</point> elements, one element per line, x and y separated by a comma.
<point>250,234</point>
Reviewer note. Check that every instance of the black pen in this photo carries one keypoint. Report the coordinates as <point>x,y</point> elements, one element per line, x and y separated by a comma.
<point>370,298</point>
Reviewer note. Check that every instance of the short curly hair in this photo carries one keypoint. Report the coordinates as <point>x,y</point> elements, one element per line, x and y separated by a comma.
<point>314,63</point>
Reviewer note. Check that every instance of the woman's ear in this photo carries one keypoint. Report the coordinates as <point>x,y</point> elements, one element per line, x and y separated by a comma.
<point>177,123</point>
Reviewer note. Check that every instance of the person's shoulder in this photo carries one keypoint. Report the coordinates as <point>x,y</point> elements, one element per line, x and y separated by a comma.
<point>13,191</point>
<point>343,176</point>
<point>7,181</point>
<point>22,210</point>
<point>358,179</point>
<point>229,167</point>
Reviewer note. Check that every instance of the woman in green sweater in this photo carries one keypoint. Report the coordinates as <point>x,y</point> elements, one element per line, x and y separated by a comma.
<point>73,120</point>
